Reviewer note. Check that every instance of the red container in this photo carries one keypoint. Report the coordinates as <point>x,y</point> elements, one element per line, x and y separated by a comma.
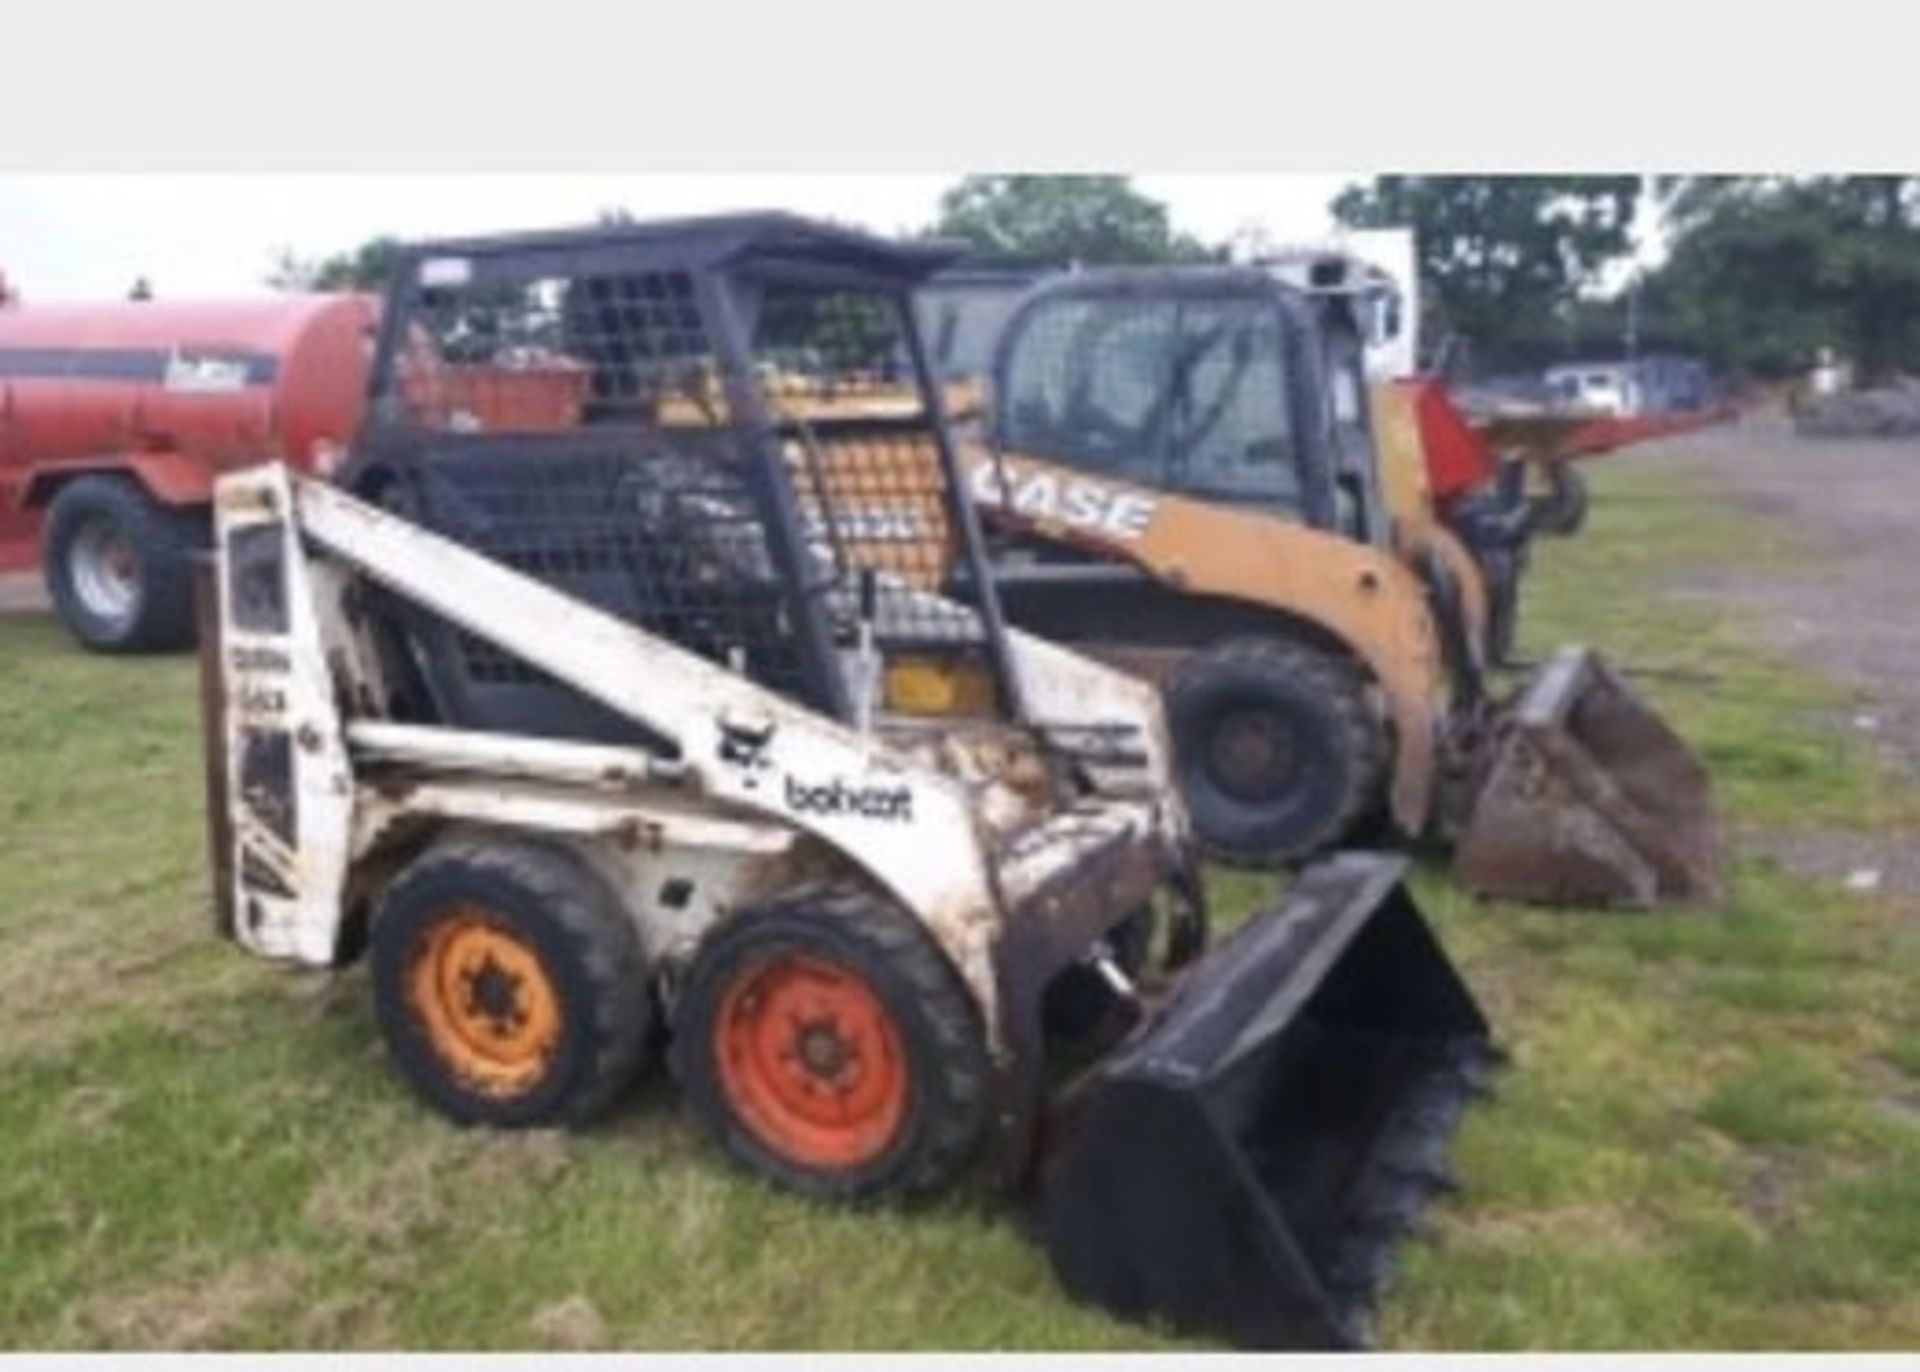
<point>175,391</point>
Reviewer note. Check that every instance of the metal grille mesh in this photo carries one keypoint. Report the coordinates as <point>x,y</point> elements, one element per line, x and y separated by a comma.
<point>580,432</point>
<point>554,353</point>
<point>863,459</point>
<point>665,534</point>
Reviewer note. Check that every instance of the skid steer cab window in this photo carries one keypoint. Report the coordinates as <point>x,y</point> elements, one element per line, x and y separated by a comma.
<point>1187,393</point>
<point>1231,432</point>
<point>1347,397</point>
<point>1086,381</point>
<point>960,320</point>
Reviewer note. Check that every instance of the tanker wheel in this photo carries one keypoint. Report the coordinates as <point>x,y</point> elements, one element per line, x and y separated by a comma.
<point>1280,752</point>
<point>1563,509</point>
<point>508,983</point>
<point>826,1043</point>
<point>119,566</point>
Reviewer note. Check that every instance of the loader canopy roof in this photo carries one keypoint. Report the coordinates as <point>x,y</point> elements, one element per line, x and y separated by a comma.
<point>707,242</point>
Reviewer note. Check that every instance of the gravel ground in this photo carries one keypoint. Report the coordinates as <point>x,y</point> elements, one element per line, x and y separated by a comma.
<point>1853,612</point>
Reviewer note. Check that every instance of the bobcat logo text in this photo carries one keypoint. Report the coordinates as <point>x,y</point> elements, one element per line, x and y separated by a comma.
<point>893,804</point>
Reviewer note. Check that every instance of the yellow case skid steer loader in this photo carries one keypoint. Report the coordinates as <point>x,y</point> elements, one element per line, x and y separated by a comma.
<point>592,730</point>
<point>1185,468</point>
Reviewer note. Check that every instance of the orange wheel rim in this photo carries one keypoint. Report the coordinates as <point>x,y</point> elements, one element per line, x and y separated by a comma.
<point>489,1008</point>
<point>810,1059</point>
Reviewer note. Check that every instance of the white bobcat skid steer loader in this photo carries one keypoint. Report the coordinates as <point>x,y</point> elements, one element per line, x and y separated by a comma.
<point>587,712</point>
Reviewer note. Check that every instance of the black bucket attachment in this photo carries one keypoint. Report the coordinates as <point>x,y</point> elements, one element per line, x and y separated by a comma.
<point>1244,1164</point>
<point>1590,799</point>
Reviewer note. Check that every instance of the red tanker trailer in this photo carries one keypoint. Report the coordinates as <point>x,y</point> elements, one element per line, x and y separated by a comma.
<point>115,419</point>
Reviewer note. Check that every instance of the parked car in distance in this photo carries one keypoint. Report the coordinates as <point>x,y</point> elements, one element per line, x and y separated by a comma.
<point>1593,388</point>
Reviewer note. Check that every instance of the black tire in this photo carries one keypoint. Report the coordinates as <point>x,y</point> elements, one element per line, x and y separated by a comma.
<point>145,606</point>
<point>935,1022</point>
<point>1563,509</point>
<point>1326,746</point>
<point>586,948</point>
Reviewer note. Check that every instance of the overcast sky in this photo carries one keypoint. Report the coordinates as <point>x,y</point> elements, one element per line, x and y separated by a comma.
<point>81,237</point>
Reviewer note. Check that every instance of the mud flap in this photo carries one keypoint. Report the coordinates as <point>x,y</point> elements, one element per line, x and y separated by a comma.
<point>1590,799</point>
<point>1244,1164</point>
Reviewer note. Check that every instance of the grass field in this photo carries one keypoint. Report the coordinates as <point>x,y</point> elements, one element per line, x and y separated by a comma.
<point>1710,1137</point>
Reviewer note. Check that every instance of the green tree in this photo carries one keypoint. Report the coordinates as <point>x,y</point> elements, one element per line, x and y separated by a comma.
<point>1093,220</point>
<point>1503,259</point>
<point>1764,271</point>
<point>366,268</point>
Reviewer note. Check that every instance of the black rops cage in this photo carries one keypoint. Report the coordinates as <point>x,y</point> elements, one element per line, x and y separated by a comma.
<point>722,430</point>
